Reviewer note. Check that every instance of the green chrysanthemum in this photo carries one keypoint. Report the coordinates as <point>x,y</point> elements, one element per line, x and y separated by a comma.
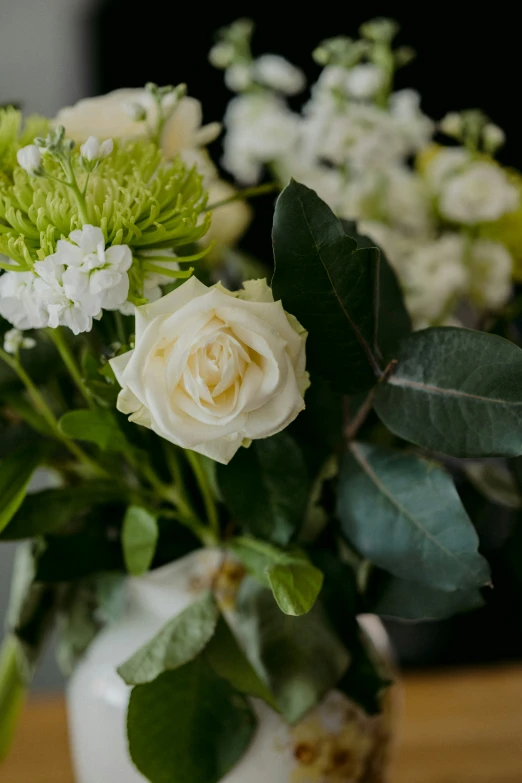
<point>15,132</point>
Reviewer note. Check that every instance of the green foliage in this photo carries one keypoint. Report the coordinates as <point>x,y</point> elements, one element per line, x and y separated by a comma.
<point>12,694</point>
<point>266,488</point>
<point>179,641</point>
<point>300,658</point>
<point>456,391</point>
<point>139,539</point>
<point>188,725</point>
<point>15,473</point>
<point>15,132</point>
<point>329,285</point>
<point>96,426</point>
<point>404,514</point>
<point>294,581</point>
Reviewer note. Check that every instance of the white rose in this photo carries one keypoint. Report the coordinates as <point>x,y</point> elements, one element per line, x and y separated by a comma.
<point>212,369</point>
<point>108,116</point>
<point>480,194</point>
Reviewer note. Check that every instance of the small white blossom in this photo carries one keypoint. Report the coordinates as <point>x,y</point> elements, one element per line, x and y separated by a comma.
<point>20,303</point>
<point>93,150</point>
<point>494,137</point>
<point>136,111</point>
<point>61,310</point>
<point>364,81</point>
<point>238,77</point>
<point>94,277</point>
<point>14,340</point>
<point>490,269</point>
<point>480,194</point>
<point>30,159</point>
<point>447,162</point>
<point>275,72</point>
<point>451,124</point>
<point>221,55</point>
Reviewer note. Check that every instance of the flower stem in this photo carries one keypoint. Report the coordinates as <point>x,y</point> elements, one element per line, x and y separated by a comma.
<point>204,486</point>
<point>12,694</point>
<point>68,359</point>
<point>240,195</point>
<point>41,407</point>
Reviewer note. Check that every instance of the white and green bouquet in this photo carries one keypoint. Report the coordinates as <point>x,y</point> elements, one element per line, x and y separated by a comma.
<point>298,425</point>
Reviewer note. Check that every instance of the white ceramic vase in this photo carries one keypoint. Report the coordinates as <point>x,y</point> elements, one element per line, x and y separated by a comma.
<point>335,743</point>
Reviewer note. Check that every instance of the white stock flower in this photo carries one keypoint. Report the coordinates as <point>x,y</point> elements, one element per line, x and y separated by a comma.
<point>107,116</point>
<point>238,77</point>
<point>444,164</point>
<point>94,277</point>
<point>275,72</point>
<point>364,80</point>
<point>59,308</point>
<point>481,193</point>
<point>494,137</point>
<point>20,302</point>
<point>30,159</point>
<point>211,369</point>
<point>14,340</point>
<point>93,150</point>
<point>452,124</point>
<point>490,270</point>
<point>261,129</point>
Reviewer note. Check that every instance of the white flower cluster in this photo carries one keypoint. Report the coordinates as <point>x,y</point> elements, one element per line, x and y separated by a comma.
<point>354,142</point>
<point>70,287</point>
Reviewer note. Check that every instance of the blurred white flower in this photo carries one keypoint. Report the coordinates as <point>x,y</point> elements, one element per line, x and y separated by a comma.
<point>446,162</point>
<point>494,137</point>
<point>238,77</point>
<point>278,74</point>
<point>14,340</point>
<point>93,150</point>
<point>94,277</point>
<point>364,81</point>
<point>30,159</point>
<point>480,194</point>
<point>261,129</point>
<point>451,124</point>
<point>490,270</point>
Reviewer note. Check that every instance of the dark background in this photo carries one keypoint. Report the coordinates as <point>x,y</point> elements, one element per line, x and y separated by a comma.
<point>467,58</point>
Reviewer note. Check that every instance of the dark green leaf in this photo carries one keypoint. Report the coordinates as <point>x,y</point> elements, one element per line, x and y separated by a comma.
<point>294,581</point>
<point>364,681</point>
<point>230,662</point>
<point>15,473</point>
<point>139,539</point>
<point>329,285</point>
<point>179,641</point>
<point>394,322</point>
<point>400,599</point>
<point>300,658</point>
<point>188,726</point>
<point>404,514</point>
<point>97,426</point>
<point>456,391</point>
<point>46,512</point>
<point>266,488</point>
<point>79,625</point>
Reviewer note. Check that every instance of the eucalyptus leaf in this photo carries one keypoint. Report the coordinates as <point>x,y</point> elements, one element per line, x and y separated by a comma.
<point>456,391</point>
<point>188,726</point>
<point>394,322</point>
<point>139,539</point>
<point>266,488</point>
<point>299,658</point>
<point>329,285</point>
<point>15,473</point>
<point>404,514</point>
<point>401,599</point>
<point>179,641</point>
<point>96,426</point>
<point>294,581</point>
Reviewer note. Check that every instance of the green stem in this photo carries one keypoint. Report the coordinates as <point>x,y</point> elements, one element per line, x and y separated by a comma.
<point>120,327</point>
<point>204,486</point>
<point>174,466</point>
<point>240,195</point>
<point>174,273</point>
<point>57,336</point>
<point>12,694</point>
<point>48,416</point>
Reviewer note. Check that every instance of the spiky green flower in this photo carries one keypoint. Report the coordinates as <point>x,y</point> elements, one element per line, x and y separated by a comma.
<point>135,196</point>
<point>16,132</point>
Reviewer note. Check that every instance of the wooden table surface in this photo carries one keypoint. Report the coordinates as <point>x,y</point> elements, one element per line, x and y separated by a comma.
<point>462,727</point>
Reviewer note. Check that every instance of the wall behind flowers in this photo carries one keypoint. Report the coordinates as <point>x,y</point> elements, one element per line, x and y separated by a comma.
<point>53,52</point>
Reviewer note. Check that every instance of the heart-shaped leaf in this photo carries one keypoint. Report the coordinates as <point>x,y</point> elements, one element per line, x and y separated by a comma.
<point>404,514</point>
<point>456,391</point>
